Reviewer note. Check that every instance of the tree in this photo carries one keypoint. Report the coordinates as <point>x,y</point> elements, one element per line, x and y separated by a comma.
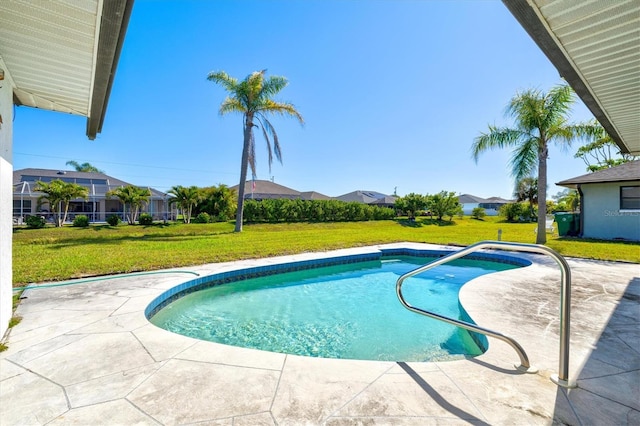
<point>58,195</point>
<point>602,152</point>
<point>444,204</point>
<point>84,167</point>
<point>186,198</point>
<point>569,199</point>
<point>253,98</point>
<point>527,190</point>
<point>411,204</point>
<point>540,118</point>
<point>219,201</point>
<point>134,196</point>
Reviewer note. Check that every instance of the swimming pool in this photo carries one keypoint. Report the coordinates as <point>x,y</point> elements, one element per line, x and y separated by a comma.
<point>337,308</point>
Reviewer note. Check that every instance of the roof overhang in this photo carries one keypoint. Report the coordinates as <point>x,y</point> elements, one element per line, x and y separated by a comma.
<point>595,45</point>
<point>62,56</point>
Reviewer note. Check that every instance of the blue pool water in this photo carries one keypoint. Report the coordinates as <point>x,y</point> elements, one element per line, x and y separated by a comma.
<point>345,311</point>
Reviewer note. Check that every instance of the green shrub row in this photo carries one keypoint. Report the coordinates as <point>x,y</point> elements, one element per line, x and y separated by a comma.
<point>283,210</point>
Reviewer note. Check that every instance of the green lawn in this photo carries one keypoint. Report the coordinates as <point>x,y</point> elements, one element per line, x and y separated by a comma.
<point>52,254</point>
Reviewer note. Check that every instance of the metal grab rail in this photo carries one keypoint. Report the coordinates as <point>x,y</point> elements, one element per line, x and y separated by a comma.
<point>562,379</point>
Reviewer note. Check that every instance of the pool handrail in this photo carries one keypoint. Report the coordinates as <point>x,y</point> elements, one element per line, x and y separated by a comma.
<point>562,379</point>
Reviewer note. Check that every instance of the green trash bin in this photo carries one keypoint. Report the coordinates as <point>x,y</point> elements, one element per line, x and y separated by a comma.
<point>575,225</point>
<point>565,223</point>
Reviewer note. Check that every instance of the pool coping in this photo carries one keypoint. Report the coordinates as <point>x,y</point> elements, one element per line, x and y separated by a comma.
<point>86,353</point>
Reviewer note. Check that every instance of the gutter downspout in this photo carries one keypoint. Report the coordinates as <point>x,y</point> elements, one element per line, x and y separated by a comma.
<point>579,188</point>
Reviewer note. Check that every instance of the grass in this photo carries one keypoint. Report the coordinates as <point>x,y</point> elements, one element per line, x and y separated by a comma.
<point>53,254</point>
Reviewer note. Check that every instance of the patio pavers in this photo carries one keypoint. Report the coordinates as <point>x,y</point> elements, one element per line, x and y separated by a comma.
<point>85,354</point>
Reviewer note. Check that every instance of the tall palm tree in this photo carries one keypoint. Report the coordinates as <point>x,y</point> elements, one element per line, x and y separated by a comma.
<point>540,118</point>
<point>58,195</point>
<point>84,167</point>
<point>253,98</point>
<point>134,196</point>
<point>186,198</point>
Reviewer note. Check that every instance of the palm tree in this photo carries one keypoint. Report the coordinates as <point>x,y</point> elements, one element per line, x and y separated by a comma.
<point>58,195</point>
<point>253,98</point>
<point>84,167</point>
<point>186,198</point>
<point>540,118</point>
<point>527,190</point>
<point>135,196</point>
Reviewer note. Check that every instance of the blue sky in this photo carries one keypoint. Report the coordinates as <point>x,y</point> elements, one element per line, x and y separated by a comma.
<point>393,93</point>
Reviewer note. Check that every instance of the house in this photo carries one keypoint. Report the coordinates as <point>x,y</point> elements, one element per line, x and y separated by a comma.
<point>97,207</point>
<point>610,202</point>
<point>360,196</point>
<point>266,189</point>
<point>490,205</point>
<point>67,64</point>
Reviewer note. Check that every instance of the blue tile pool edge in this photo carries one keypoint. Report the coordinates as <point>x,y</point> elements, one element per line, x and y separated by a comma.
<point>220,278</point>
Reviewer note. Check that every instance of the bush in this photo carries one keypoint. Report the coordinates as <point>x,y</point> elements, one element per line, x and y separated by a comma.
<point>203,217</point>
<point>478,213</point>
<point>145,219</point>
<point>81,221</point>
<point>511,212</point>
<point>113,220</point>
<point>35,222</point>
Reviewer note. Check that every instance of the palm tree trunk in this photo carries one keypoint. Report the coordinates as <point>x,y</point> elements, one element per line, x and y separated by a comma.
<point>248,128</point>
<point>541,237</point>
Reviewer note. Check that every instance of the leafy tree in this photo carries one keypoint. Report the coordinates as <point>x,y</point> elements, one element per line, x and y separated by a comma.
<point>253,98</point>
<point>602,152</point>
<point>511,211</point>
<point>444,204</point>
<point>218,201</point>
<point>186,198</point>
<point>569,199</point>
<point>58,195</point>
<point>84,167</point>
<point>540,118</point>
<point>133,196</point>
<point>527,190</point>
<point>478,213</point>
<point>411,204</point>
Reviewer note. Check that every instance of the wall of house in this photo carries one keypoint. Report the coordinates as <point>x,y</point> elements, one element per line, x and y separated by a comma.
<point>602,215</point>
<point>6,199</point>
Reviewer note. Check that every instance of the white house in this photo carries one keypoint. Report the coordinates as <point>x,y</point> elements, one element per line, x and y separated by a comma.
<point>490,205</point>
<point>610,202</point>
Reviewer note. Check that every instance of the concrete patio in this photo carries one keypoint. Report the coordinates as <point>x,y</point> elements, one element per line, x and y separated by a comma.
<point>85,354</point>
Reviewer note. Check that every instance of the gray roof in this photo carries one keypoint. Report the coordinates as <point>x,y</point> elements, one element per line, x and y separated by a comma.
<point>313,195</point>
<point>387,200</point>
<point>625,172</point>
<point>361,196</point>
<point>468,198</point>
<point>31,175</point>
<point>267,189</point>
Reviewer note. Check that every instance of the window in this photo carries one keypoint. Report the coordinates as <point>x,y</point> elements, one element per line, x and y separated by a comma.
<point>25,209</point>
<point>630,198</point>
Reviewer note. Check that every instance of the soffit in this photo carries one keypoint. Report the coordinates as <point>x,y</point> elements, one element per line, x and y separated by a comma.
<point>61,55</point>
<point>595,45</point>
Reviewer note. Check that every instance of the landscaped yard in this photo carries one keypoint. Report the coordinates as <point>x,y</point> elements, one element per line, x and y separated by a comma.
<point>53,254</point>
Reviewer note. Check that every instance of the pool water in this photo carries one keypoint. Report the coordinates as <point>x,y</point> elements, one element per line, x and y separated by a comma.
<point>346,311</point>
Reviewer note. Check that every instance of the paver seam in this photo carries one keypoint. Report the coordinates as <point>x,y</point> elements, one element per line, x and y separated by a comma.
<point>275,391</point>
<point>140,409</point>
<point>64,391</point>
<point>357,394</point>
<point>461,390</point>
